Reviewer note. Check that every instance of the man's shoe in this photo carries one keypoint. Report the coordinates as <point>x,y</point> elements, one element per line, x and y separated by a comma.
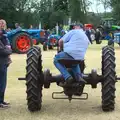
<point>81,80</point>
<point>70,80</point>
<point>2,106</point>
<point>5,103</point>
<point>67,83</point>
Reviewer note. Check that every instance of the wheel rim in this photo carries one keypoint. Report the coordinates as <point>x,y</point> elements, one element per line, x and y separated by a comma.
<point>23,43</point>
<point>34,41</point>
<point>53,41</point>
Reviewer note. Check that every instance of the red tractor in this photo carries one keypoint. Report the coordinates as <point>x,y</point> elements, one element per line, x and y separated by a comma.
<point>88,26</point>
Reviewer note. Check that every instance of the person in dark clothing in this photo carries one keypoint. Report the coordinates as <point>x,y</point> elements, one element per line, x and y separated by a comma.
<point>87,31</point>
<point>5,51</point>
<point>98,36</point>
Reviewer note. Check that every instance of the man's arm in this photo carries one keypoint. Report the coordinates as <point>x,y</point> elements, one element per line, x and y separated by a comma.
<point>64,39</point>
<point>60,43</point>
<point>4,51</point>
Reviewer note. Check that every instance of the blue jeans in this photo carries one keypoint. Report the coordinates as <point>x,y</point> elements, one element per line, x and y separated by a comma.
<point>75,68</point>
<point>3,81</point>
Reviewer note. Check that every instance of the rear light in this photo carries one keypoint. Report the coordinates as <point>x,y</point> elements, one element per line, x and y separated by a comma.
<point>42,34</point>
<point>53,40</point>
<point>34,41</point>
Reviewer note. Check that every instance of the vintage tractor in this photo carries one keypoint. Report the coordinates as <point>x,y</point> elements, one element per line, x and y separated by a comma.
<point>88,26</point>
<point>21,40</point>
<point>108,27</point>
<point>37,79</point>
<point>115,38</point>
<point>52,40</point>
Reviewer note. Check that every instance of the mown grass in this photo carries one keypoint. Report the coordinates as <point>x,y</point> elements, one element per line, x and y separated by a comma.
<point>58,109</point>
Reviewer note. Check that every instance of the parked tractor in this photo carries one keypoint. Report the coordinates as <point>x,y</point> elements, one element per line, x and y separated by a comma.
<point>109,28</point>
<point>52,40</point>
<point>21,40</point>
<point>116,39</point>
<point>37,79</point>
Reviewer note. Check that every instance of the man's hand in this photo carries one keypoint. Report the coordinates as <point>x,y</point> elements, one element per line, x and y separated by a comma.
<point>60,43</point>
<point>8,46</point>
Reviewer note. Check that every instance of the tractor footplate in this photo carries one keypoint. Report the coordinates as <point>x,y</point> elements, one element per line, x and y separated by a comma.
<point>62,95</point>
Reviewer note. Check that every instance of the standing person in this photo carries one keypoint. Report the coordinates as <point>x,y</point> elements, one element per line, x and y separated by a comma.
<point>17,26</point>
<point>31,27</point>
<point>5,51</point>
<point>73,45</point>
<point>98,36</point>
<point>88,33</point>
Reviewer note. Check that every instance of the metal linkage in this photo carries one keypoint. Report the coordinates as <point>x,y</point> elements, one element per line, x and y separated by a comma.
<point>118,78</point>
<point>67,97</point>
<point>21,78</point>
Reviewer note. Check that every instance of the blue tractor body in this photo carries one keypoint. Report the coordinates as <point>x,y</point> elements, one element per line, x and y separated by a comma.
<point>117,38</point>
<point>36,34</point>
<point>52,40</point>
<point>22,39</point>
<point>114,39</point>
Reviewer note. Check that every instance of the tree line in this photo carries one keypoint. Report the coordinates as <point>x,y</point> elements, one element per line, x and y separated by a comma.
<point>50,12</point>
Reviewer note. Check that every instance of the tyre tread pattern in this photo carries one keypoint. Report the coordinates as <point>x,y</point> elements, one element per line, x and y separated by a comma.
<point>109,74</point>
<point>34,79</point>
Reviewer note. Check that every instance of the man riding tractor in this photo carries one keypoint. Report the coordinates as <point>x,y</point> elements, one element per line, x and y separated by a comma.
<point>73,46</point>
<point>70,62</point>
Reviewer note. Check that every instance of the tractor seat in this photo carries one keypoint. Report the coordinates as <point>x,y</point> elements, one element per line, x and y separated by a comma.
<point>68,63</point>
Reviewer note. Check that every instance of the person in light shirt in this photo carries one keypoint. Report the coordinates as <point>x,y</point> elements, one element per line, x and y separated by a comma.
<point>74,45</point>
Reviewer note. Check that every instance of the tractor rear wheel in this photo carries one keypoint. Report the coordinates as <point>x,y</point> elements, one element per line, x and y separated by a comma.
<point>109,78</point>
<point>34,79</point>
<point>21,43</point>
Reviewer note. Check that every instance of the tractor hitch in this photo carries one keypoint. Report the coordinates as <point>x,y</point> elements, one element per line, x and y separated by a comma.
<point>69,97</point>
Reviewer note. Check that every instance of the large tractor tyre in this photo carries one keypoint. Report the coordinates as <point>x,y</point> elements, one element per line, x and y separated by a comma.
<point>109,78</point>
<point>50,47</point>
<point>34,79</point>
<point>21,43</point>
<point>44,46</point>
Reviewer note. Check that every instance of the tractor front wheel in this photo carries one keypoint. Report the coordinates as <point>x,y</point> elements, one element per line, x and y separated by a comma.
<point>109,78</point>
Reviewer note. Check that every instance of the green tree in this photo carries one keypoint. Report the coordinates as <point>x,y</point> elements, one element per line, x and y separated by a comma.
<point>115,4</point>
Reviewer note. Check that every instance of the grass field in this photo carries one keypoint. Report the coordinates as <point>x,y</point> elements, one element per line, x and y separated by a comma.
<point>58,109</point>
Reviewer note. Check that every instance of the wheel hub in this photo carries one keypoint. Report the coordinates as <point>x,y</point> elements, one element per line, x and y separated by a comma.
<point>23,43</point>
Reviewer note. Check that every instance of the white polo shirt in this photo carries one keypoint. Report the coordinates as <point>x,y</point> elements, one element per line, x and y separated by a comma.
<point>76,43</point>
